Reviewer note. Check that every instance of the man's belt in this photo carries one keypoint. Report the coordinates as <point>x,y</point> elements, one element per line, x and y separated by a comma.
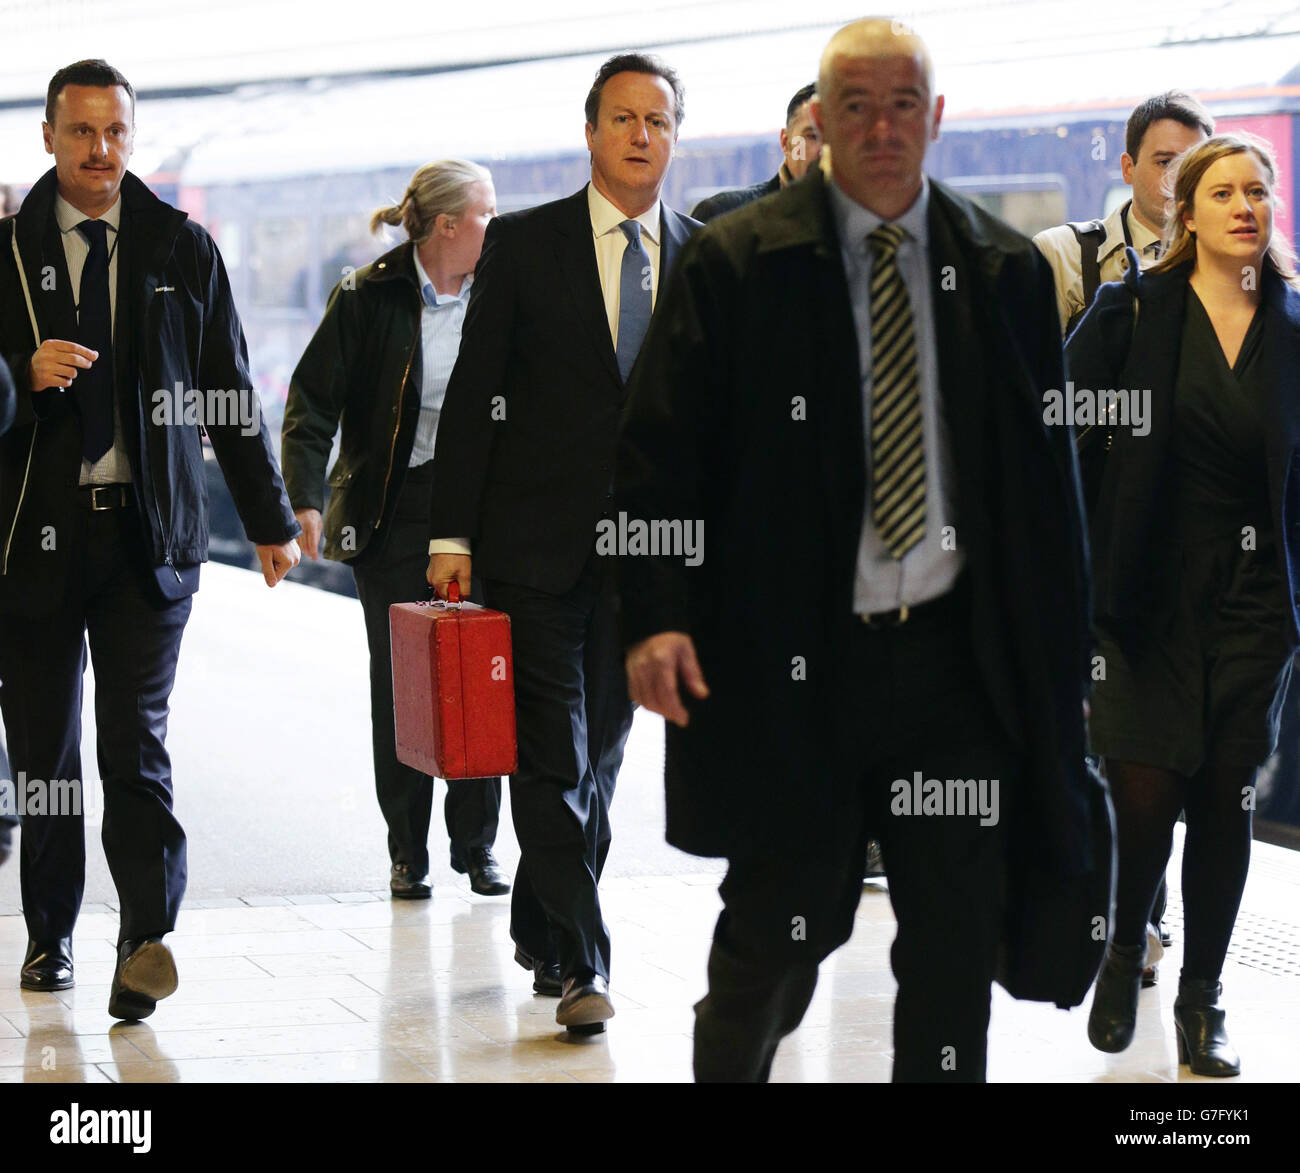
<point>101,497</point>
<point>880,620</point>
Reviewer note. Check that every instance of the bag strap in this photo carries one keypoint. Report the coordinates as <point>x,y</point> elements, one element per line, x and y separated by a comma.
<point>1089,234</point>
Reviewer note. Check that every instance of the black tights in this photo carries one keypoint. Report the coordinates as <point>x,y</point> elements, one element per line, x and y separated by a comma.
<point>1216,853</point>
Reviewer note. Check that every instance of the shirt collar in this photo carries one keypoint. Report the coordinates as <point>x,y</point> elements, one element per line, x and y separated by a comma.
<point>855,223</point>
<point>67,217</point>
<point>430,296</point>
<point>1143,237</point>
<point>1113,241</point>
<point>606,218</point>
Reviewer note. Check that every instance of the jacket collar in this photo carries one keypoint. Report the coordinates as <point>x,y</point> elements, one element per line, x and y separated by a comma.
<point>398,264</point>
<point>804,218</point>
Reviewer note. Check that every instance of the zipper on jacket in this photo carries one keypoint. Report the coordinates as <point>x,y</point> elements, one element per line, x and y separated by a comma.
<point>392,449</point>
<point>22,493</point>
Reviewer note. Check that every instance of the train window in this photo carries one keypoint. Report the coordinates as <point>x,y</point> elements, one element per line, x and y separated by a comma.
<point>1029,203</point>
<point>230,240</point>
<point>1116,194</point>
<point>347,244</point>
<point>277,260</point>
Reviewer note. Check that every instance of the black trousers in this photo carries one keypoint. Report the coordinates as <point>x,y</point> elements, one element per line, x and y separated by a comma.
<point>573,717</point>
<point>394,572</point>
<point>918,710</point>
<point>134,640</point>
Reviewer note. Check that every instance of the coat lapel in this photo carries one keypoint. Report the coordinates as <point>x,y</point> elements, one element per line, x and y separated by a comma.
<point>40,244</point>
<point>575,253</point>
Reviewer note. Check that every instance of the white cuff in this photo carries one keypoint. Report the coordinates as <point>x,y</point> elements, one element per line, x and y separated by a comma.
<point>450,546</point>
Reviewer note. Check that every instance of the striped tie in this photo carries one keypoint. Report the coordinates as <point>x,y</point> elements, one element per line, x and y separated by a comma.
<point>897,447</point>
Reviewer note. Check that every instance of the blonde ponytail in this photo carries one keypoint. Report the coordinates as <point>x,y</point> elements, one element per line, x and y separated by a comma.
<point>436,189</point>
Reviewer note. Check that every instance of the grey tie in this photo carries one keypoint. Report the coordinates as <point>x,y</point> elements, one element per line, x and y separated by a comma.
<point>634,298</point>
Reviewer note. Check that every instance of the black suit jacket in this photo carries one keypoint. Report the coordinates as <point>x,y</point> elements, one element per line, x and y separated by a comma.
<point>1108,350</point>
<point>730,200</point>
<point>727,426</point>
<point>525,453</point>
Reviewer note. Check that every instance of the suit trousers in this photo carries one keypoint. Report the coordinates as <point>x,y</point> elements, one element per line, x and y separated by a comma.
<point>135,638</point>
<point>573,717</point>
<point>393,571</point>
<point>915,712</point>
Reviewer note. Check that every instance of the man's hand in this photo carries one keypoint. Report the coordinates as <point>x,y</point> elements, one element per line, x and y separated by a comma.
<point>277,561</point>
<point>310,521</point>
<point>445,567</point>
<point>654,668</point>
<point>56,364</point>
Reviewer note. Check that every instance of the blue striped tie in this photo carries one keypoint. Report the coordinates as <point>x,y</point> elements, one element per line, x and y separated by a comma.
<point>634,298</point>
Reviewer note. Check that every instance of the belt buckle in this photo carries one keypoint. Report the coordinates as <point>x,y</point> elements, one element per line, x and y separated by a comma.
<point>113,497</point>
<point>887,619</point>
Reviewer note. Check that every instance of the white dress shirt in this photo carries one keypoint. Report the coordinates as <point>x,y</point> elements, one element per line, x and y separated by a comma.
<point>610,245</point>
<point>113,467</point>
<point>930,568</point>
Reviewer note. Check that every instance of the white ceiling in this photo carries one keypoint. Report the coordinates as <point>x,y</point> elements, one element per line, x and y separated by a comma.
<point>989,57</point>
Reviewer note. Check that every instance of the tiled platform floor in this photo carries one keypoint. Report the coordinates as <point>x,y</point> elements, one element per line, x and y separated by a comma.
<point>355,987</point>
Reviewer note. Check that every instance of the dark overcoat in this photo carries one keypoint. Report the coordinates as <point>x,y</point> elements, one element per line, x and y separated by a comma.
<point>745,413</point>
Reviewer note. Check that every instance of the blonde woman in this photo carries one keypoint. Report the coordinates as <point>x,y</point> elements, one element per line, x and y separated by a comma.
<point>378,366</point>
<point>1196,538</point>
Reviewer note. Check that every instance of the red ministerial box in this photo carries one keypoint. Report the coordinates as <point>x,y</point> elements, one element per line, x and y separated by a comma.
<point>453,689</point>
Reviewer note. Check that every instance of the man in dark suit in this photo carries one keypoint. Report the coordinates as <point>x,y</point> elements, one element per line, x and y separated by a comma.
<point>117,321</point>
<point>887,634</point>
<point>801,144</point>
<point>523,470</point>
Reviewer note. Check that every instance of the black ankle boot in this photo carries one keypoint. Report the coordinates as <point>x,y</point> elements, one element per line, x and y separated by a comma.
<point>1198,1020</point>
<point>1115,1000</point>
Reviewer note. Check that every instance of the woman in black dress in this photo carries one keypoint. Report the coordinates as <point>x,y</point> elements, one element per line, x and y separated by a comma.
<point>1196,558</point>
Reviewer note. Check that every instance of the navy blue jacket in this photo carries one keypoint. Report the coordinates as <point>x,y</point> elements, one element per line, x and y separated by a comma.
<point>1109,351</point>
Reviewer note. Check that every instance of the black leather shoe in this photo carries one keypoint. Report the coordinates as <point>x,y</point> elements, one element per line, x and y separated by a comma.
<point>47,966</point>
<point>546,978</point>
<point>1113,1016</point>
<point>1198,1021</point>
<point>585,1006</point>
<point>145,972</point>
<point>485,874</point>
<point>1166,937</point>
<point>404,884</point>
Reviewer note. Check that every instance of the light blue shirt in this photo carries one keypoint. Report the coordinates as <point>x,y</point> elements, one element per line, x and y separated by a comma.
<point>928,569</point>
<point>441,321</point>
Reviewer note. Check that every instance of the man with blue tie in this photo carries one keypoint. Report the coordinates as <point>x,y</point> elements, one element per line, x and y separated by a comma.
<point>109,301</point>
<point>888,636</point>
<point>523,473</point>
